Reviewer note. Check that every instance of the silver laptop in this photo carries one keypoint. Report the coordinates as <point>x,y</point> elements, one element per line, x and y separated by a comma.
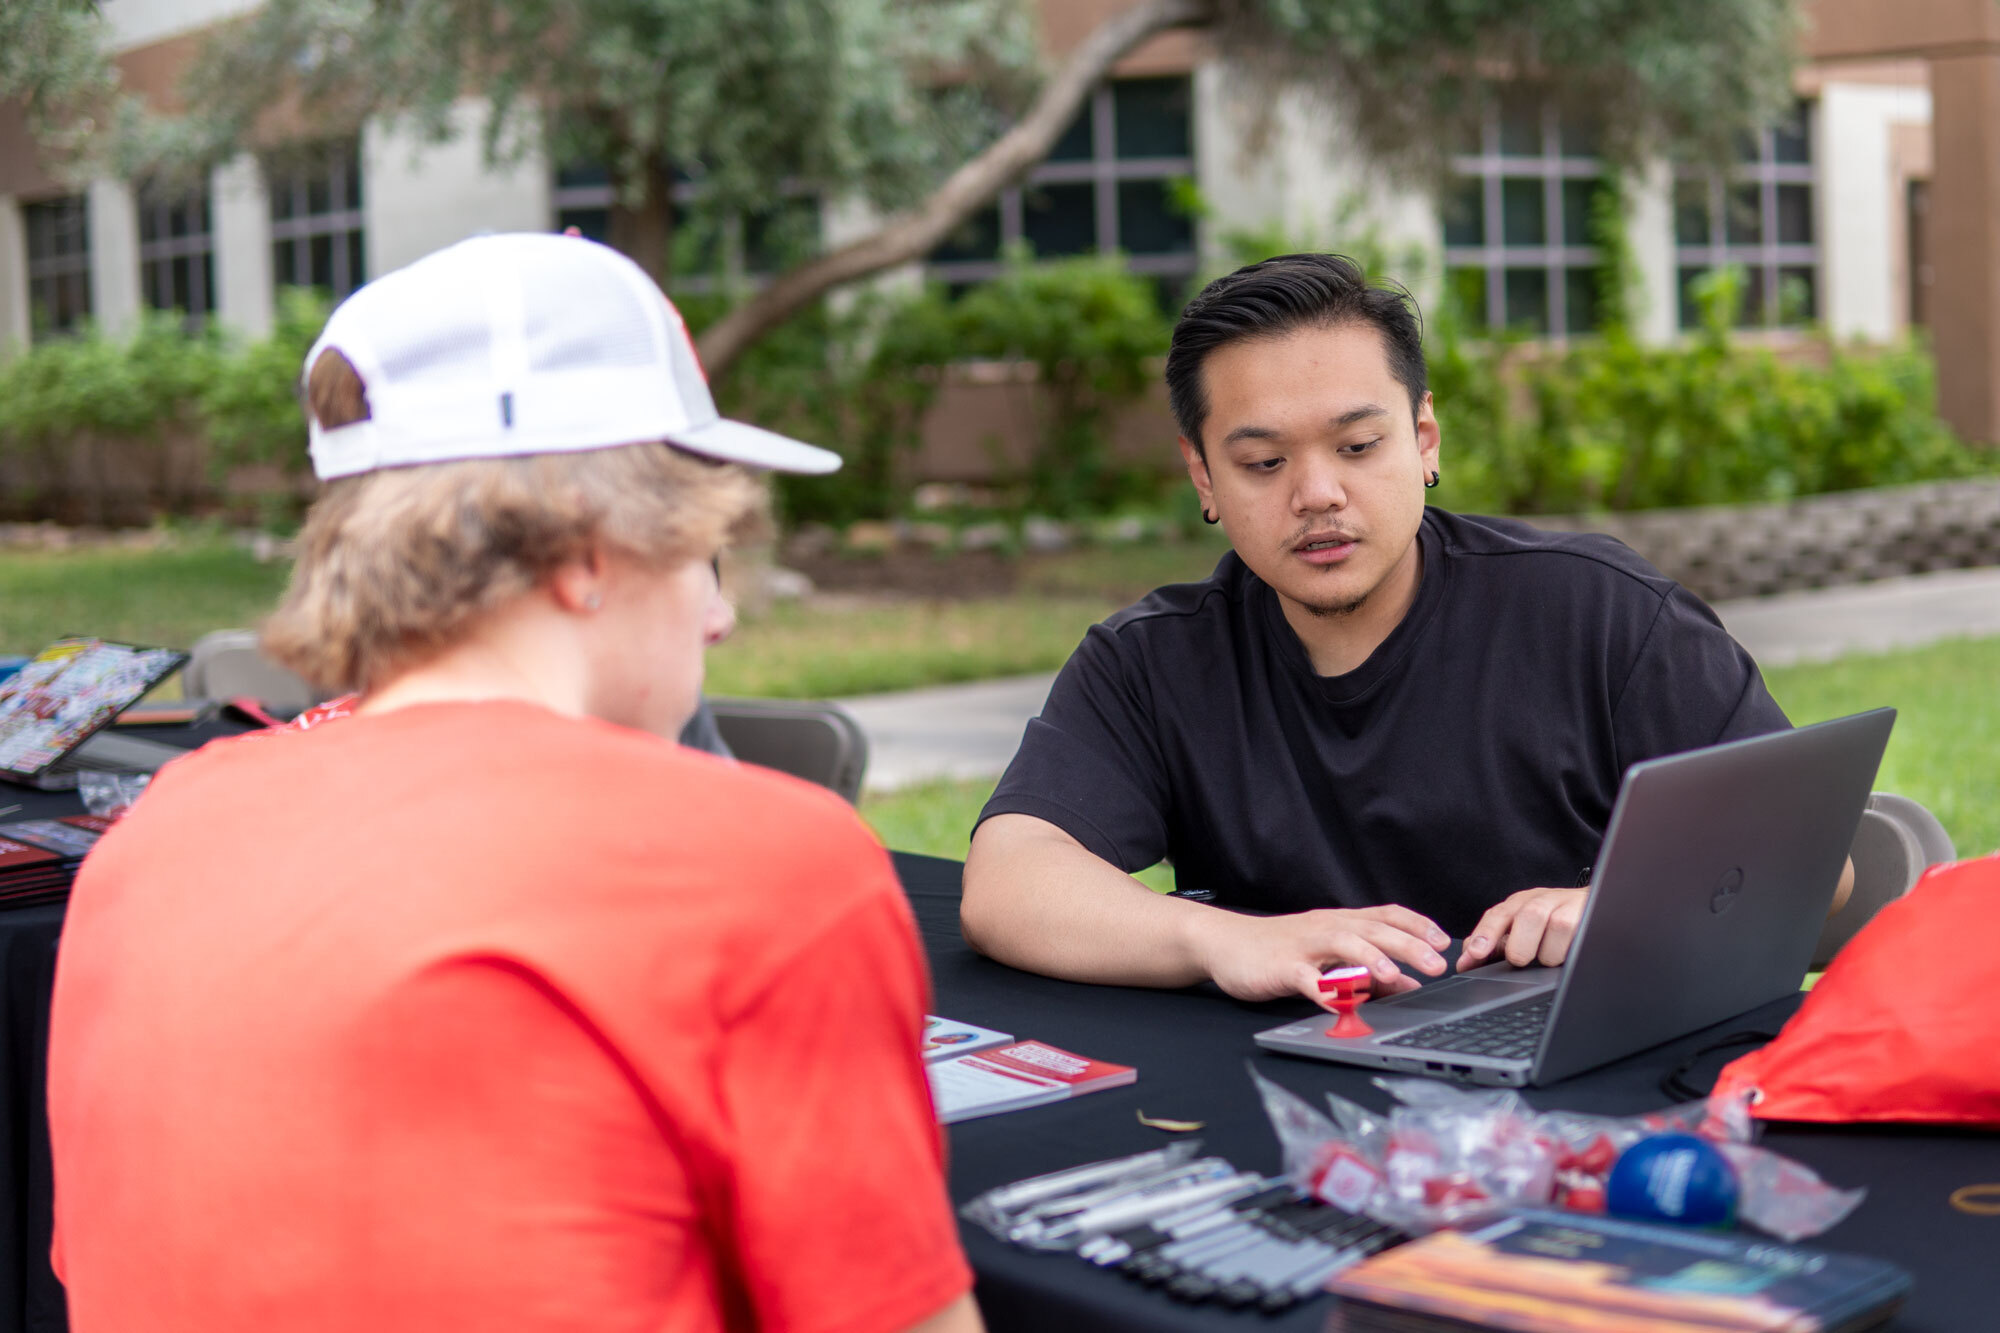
<point>1708,894</point>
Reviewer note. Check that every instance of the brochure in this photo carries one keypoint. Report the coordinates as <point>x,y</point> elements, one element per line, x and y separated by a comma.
<point>20,855</point>
<point>1010,1078</point>
<point>70,836</point>
<point>39,857</point>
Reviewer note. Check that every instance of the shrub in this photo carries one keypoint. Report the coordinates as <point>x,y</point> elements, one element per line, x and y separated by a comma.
<point>1606,423</point>
<point>87,422</point>
<point>251,405</point>
<point>1093,332</point>
<point>1612,424</point>
<point>1609,423</point>
<point>861,379</point>
<point>106,429</point>
<point>857,379</point>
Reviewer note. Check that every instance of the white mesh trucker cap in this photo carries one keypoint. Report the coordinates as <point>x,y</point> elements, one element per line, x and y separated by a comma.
<point>527,344</point>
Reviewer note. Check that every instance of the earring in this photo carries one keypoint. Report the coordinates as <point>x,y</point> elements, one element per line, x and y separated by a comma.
<point>1209,518</point>
<point>1432,483</point>
<point>593,602</point>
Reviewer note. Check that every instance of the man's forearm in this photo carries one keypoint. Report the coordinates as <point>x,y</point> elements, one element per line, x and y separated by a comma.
<point>1036,899</point>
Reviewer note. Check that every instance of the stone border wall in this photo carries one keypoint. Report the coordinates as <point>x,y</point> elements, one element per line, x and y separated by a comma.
<point>1821,541</point>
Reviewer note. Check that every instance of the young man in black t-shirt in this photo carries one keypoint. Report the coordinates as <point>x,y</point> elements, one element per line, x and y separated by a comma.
<point>1385,724</point>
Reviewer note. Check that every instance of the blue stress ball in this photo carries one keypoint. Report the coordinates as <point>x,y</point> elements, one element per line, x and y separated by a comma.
<point>1673,1178</point>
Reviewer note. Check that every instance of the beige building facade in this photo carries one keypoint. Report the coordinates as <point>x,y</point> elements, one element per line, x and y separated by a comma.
<point>1825,213</point>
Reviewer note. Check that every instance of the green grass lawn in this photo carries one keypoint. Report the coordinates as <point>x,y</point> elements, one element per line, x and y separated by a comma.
<point>809,652</point>
<point>174,595</point>
<point>1946,750</point>
<point>935,818</point>
<point>169,597</point>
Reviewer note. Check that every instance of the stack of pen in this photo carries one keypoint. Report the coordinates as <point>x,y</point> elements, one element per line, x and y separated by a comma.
<point>1270,1249</point>
<point>1195,1227</point>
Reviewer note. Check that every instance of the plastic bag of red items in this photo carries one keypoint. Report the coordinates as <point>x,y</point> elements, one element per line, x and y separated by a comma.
<point>1446,1154</point>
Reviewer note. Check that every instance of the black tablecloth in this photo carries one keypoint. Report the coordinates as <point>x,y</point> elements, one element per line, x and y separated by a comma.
<point>30,1297</point>
<point>1190,1048</point>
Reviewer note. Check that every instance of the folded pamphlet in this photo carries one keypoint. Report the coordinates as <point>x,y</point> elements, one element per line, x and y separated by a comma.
<point>39,857</point>
<point>71,835</point>
<point>1011,1078</point>
<point>19,855</point>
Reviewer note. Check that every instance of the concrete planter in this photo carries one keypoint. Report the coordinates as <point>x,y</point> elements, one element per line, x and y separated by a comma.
<point>1729,551</point>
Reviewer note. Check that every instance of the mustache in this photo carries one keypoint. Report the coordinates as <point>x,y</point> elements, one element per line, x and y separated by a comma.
<point>1323,534</point>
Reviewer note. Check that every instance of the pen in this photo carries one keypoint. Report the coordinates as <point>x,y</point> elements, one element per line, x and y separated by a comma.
<point>1251,1226</point>
<point>1239,1273</point>
<point>1114,1247</point>
<point>1154,1255</point>
<point>1121,1213</point>
<point>1204,1168</point>
<point>1249,1250</point>
<point>1036,1189</point>
<point>1276,1297</point>
<point>1152,1195</point>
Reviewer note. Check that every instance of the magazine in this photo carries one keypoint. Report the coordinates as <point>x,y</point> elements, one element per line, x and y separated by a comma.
<point>945,1037</point>
<point>1545,1272</point>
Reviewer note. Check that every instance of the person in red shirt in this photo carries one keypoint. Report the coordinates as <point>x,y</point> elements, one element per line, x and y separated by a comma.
<point>480,1003</point>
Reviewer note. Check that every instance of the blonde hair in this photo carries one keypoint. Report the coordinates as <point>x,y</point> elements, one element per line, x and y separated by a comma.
<point>396,565</point>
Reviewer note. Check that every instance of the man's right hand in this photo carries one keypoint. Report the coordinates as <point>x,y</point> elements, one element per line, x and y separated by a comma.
<point>1036,898</point>
<point>1265,957</point>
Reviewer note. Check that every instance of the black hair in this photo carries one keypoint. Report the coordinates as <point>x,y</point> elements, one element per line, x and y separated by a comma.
<point>1274,297</point>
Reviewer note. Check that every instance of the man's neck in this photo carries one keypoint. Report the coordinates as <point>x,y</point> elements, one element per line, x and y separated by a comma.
<point>522,652</point>
<point>1340,642</point>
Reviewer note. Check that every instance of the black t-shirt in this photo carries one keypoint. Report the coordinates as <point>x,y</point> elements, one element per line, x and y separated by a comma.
<point>1477,751</point>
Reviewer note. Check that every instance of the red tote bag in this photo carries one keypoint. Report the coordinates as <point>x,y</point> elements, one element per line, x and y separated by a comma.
<point>1904,1025</point>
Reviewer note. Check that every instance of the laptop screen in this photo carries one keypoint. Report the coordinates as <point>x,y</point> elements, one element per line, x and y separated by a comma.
<point>67,691</point>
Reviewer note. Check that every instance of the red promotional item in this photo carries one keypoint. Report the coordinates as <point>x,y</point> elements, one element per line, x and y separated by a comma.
<point>1903,1025</point>
<point>1342,989</point>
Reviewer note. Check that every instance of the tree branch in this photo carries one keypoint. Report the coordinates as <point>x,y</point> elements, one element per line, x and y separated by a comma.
<point>915,234</point>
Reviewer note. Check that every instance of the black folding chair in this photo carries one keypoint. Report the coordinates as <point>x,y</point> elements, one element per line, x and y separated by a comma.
<point>820,742</point>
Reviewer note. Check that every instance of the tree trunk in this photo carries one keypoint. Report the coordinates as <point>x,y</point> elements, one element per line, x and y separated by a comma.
<point>645,234</point>
<point>916,233</point>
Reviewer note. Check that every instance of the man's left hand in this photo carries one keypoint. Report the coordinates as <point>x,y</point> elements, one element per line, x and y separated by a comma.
<point>1532,926</point>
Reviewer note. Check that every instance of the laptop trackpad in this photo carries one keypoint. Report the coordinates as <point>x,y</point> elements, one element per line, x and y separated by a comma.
<point>1456,993</point>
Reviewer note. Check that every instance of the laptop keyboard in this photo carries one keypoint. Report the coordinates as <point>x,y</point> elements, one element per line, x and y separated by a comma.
<point>1507,1032</point>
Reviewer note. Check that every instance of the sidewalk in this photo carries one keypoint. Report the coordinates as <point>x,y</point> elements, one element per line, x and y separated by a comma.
<point>1866,617</point>
<point>971,731</point>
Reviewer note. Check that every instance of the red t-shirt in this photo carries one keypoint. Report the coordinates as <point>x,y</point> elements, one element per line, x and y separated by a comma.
<point>472,1016</point>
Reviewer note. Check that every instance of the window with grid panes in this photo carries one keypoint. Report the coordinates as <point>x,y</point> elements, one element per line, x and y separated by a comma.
<point>177,252</point>
<point>1518,247</point>
<point>317,228</point>
<point>763,242</point>
<point>582,200</point>
<point>1758,217</point>
<point>1107,185</point>
<point>58,234</point>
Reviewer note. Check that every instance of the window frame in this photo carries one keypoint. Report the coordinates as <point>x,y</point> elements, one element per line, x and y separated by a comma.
<point>565,201</point>
<point>1557,255</point>
<point>49,269</point>
<point>1104,171</point>
<point>1768,257</point>
<point>338,163</point>
<point>157,256</point>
